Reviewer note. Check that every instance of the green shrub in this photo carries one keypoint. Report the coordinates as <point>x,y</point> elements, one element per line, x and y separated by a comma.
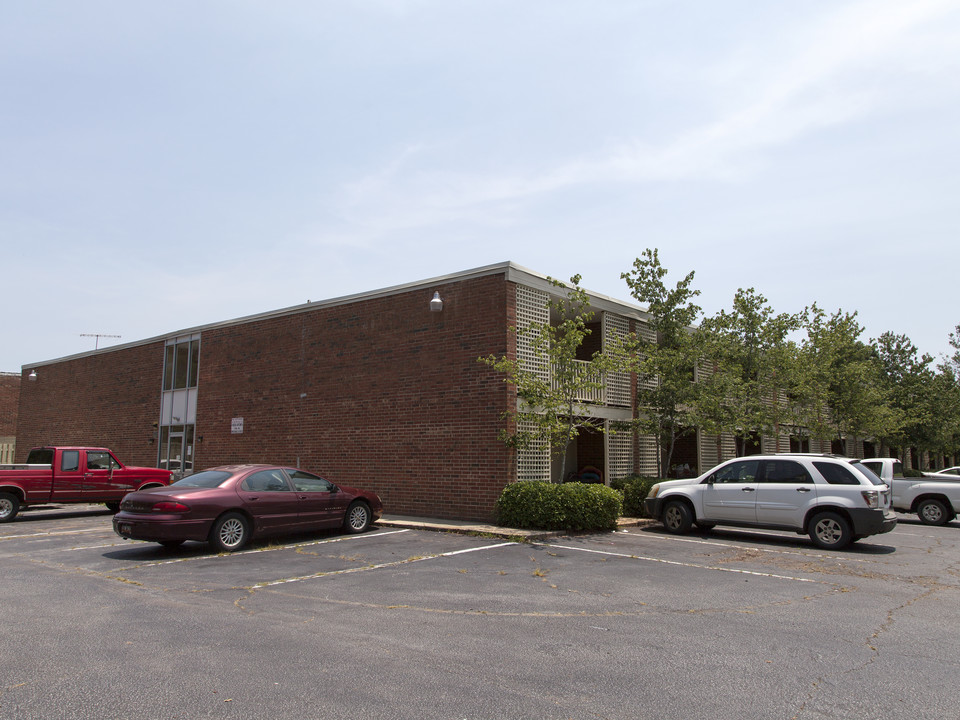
<point>549,506</point>
<point>634,489</point>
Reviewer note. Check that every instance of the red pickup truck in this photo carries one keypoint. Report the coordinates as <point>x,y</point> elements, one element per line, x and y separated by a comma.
<point>72,475</point>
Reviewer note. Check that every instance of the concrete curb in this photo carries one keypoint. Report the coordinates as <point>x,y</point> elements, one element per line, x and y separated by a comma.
<point>467,527</point>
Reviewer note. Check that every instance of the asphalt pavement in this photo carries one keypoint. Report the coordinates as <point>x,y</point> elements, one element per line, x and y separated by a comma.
<point>476,623</point>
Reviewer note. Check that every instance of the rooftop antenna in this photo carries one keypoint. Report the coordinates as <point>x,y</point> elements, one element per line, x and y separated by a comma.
<point>96,345</point>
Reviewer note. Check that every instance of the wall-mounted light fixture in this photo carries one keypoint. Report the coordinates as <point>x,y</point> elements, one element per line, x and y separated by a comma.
<point>32,377</point>
<point>436,305</point>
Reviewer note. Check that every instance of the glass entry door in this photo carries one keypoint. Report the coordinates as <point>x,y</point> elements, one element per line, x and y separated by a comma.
<point>176,449</point>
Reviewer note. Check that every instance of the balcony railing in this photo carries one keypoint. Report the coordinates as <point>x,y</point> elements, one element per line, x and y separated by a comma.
<point>595,395</point>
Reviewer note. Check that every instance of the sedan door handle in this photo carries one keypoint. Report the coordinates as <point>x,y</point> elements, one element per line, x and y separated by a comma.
<point>803,489</point>
<point>748,489</point>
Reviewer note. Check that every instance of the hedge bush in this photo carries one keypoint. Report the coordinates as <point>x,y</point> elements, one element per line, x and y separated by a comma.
<point>634,489</point>
<point>549,506</point>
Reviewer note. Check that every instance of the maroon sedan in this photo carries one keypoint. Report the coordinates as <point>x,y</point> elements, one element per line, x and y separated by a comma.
<point>226,506</point>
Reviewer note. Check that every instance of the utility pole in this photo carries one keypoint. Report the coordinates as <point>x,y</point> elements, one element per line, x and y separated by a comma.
<point>96,345</point>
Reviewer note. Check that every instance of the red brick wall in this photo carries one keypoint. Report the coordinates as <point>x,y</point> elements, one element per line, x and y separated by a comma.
<point>395,400</point>
<point>9,400</point>
<point>110,399</point>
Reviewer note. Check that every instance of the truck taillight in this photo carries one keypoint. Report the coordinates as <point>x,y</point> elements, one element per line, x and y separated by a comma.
<point>170,507</point>
<point>872,498</point>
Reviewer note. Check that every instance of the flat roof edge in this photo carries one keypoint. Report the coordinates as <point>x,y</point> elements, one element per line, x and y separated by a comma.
<point>512,271</point>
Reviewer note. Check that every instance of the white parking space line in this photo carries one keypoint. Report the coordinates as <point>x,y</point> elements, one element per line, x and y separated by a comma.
<point>116,544</point>
<point>920,535</point>
<point>50,534</point>
<point>470,550</point>
<point>684,564</point>
<point>330,573</point>
<point>717,543</point>
<point>271,548</point>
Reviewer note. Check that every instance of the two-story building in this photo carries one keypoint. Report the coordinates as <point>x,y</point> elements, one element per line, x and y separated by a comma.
<point>383,390</point>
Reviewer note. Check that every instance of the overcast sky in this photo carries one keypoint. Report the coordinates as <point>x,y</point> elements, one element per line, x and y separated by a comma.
<point>169,164</point>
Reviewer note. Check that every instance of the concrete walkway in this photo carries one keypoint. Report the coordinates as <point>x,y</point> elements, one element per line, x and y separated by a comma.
<point>480,528</point>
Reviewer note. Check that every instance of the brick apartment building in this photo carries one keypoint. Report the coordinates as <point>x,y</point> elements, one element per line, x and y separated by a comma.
<point>9,400</point>
<point>382,390</point>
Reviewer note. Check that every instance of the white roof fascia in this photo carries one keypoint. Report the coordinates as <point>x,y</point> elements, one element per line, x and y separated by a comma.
<point>513,273</point>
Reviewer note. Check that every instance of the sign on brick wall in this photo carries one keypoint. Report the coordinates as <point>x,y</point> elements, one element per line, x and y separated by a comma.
<point>236,426</point>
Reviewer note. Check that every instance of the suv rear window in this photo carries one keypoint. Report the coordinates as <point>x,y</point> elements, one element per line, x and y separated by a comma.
<point>869,474</point>
<point>836,474</point>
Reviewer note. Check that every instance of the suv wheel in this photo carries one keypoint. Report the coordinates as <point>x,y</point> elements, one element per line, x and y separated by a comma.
<point>830,531</point>
<point>677,517</point>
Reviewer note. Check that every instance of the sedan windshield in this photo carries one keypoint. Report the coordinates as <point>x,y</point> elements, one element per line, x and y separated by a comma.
<point>206,479</point>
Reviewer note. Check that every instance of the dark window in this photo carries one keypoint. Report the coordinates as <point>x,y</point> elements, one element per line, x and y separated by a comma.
<point>194,363</point>
<point>868,473</point>
<point>207,479</point>
<point>786,471</point>
<point>592,343</point>
<point>168,367</point>
<point>181,365</point>
<point>70,460</point>
<point>98,461</point>
<point>40,456</point>
<point>266,481</point>
<point>751,444</point>
<point>836,474</point>
<point>306,482</point>
<point>737,472</point>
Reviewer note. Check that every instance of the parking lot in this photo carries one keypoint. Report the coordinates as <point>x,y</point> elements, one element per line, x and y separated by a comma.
<point>405,623</point>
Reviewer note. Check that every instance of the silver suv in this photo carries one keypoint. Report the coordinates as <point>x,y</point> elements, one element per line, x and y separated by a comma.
<point>835,500</point>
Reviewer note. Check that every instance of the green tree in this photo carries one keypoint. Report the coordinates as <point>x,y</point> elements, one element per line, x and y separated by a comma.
<point>954,359</point>
<point>949,380</point>
<point>751,362</point>
<point>842,375</point>
<point>906,377</point>
<point>665,361</point>
<point>550,391</point>
<point>943,401</point>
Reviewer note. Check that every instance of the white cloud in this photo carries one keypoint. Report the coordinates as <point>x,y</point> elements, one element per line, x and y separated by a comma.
<point>858,60</point>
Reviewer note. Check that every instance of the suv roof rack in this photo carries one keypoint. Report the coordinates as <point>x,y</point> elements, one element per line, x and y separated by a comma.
<point>813,454</point>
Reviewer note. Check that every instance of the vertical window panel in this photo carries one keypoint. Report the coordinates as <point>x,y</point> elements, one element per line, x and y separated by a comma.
<point>168,367</point>
<point>194,363</point>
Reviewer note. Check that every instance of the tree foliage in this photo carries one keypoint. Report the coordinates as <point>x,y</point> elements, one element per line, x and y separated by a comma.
<point>841,375</point>
<point>665,362</point>
<point>749,371</point>
<point>550,389</point>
